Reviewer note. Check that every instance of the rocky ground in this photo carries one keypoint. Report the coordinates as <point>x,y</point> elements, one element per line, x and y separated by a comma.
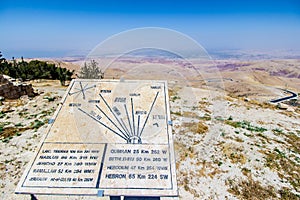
<point>22,125</point>
<point>228,145</point>
<point>250,151</point>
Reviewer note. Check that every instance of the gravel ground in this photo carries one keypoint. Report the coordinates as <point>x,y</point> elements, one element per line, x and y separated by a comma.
<point>226,148</point>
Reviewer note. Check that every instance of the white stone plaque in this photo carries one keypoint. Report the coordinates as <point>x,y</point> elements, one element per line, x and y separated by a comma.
<point>107,137</point>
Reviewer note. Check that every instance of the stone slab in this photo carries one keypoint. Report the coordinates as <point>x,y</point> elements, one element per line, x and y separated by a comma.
<point>107,137</point>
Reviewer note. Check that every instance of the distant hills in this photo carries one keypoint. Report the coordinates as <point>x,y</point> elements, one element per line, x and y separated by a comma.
<point>238,54</point>
<point>217,54</point>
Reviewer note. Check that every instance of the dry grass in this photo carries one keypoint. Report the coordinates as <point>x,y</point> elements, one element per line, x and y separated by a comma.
<point>263,105</point>
<point>196,127</point>
<point>201,128</point>
<point>294,141</point>
<point>173,91</point>
<point>181,150</point>
<point>189,114</point>
<point>285,193</point>
<point>206,117</point>
<point>238,139</point>
<point>188,188</point>
<point>250,189</point>
<point>234,153</point>
<point>13,103</point>
<point>228,98</point>
<point>288,113</point>
<point>285,167</point>
<point>203,104</point>
<point>176,113</point>
<point>7,133</point>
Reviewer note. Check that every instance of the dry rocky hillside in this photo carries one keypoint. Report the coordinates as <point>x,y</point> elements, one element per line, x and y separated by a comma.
<point>229,144</point>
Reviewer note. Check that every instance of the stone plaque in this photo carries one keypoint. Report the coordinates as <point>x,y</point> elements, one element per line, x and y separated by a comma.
<point>107,137</point>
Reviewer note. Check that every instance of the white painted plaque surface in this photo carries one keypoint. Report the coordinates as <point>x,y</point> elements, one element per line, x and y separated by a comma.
<point>108,136</point>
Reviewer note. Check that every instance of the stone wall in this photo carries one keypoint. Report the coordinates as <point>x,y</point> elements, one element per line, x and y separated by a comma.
<point>13,89</point>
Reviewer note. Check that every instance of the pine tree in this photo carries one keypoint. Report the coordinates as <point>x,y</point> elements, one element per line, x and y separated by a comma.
<point>35,69</point>
<point>84,71</point>
<point>91,71</point>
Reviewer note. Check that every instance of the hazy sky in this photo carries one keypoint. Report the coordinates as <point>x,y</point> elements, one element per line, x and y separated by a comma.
<point>60,28</point>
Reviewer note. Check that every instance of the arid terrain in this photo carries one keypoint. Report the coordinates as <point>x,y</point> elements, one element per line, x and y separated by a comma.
<point>230,141</point>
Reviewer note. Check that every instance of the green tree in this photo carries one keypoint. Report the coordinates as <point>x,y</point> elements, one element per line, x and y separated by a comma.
<point>35,69</point>
<point>63,75</point>
<point>4,65</point>
<point>91,71</point>
<point>2,60</point>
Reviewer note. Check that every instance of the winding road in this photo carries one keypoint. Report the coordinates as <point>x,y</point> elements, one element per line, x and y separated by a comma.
<point>293,95</point>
